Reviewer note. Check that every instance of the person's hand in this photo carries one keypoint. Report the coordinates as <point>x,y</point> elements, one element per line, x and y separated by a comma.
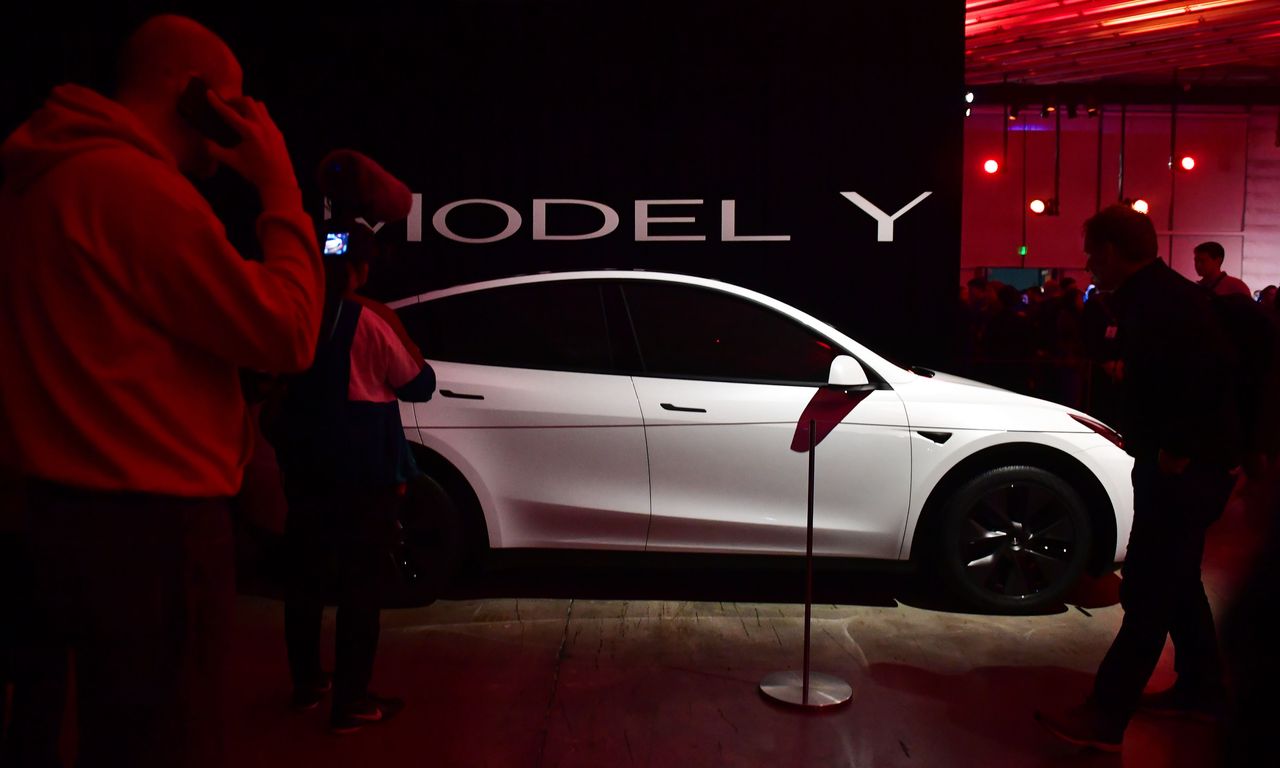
<point>261,157</point>
<point>1171,464</point>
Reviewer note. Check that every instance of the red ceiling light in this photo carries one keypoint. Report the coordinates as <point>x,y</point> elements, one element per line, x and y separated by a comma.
<point>991,166</point>
<point>1188,162</point>
<point>1038,206</point>
<point>1141,206</point>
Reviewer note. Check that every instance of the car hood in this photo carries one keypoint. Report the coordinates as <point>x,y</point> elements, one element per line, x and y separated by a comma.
<point>944,401</point>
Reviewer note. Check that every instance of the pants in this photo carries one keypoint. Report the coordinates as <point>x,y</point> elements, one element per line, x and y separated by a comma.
<point>1162,593</point>
<point>338,547</point>
<point>32,661</point>
<point>141,588</point>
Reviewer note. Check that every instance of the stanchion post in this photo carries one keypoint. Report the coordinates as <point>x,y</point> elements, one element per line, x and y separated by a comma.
<point>788,687</point>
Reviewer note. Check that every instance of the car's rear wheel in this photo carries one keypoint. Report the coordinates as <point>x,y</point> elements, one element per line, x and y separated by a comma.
<point>1014,539</point>
<point>434,544</point>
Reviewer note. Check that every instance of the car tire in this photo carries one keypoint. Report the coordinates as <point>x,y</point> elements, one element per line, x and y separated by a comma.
<point>1013,539</point>
<point>433,546</point>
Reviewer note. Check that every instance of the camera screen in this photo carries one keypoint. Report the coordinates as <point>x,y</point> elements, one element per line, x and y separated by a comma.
<point>335,243</point>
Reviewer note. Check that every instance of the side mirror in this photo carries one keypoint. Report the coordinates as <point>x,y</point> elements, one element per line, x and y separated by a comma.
<point>847,372</point>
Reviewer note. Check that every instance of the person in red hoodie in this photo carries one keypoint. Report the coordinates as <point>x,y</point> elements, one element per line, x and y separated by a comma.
<point>125,318</point>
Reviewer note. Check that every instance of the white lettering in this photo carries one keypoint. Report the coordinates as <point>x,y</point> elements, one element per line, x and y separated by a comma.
<point>328,214</point>
<point>611,219</point>
<point>414,223</point>
<point>728,229</point>
<point>374,227</point>
<point>643,220</point>
<point>439,221</point>
<point>884,222</point>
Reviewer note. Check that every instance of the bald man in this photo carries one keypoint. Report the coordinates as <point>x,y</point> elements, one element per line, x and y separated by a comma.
<point>125,318</point>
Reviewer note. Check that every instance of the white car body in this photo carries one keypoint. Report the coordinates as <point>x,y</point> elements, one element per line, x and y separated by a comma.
<point>561,459</point>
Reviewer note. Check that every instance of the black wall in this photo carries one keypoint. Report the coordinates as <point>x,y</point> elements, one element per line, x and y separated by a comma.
<point>779,106</point>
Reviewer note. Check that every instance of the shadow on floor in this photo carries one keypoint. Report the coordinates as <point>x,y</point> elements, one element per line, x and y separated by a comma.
<point>997,704</point>
<point>559,574</point>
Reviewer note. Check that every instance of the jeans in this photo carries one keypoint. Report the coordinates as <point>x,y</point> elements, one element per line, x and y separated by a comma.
<point>141,589</point>
<point>1162,593</point>
<point>338,547</point>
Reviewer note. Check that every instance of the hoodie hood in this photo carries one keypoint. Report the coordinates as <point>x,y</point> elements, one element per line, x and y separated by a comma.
<point>73,120</point>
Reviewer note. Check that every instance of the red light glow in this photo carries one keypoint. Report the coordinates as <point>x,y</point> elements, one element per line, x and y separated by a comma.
<point>1188,163</point>
<point>991,166</point>
<point>1141,206</point>
<point>1037,206</point>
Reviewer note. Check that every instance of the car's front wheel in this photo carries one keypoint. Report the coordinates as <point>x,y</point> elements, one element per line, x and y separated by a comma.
<point>1013,539</point>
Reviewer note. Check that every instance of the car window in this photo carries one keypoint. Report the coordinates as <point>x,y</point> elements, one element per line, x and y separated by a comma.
<point>692,332</point>
<point>550,325</point>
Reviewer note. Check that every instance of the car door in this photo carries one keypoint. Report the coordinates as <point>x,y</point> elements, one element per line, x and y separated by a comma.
<point>530,408</point>
<point>725,380</point>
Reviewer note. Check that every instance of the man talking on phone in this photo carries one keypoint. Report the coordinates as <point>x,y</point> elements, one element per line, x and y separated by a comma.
<point>125,316</point>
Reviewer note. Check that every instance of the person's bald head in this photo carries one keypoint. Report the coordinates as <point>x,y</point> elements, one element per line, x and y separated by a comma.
<point>170,49</point>
<point>154,67</point>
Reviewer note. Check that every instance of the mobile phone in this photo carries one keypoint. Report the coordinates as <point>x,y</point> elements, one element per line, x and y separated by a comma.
<point>195,108</point>
<point>335,243</point>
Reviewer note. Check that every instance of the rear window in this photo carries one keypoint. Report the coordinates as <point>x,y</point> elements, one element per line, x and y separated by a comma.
<point>550,326</point>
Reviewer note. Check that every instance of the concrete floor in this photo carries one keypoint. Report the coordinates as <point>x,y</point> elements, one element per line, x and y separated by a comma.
<point>562,677</point>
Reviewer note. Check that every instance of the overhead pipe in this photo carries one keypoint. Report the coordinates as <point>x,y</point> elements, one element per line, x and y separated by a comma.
<point>1097,202</point>
<point>1173,154</point>
<point>1124,110</point>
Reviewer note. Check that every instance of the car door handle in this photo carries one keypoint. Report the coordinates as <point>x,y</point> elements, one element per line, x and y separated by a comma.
<point>460,395</point>
<point>670,407</point>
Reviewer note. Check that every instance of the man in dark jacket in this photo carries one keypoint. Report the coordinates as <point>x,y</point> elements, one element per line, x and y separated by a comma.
<point>1182,430</point>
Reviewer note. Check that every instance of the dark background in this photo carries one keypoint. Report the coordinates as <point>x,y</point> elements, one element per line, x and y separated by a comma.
<point>780,106</point>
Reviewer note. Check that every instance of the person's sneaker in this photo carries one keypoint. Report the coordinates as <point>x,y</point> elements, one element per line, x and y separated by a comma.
<point>1083,726</point>
<point>367,711</point>
<point>309,697</point>
<point>1176,702</point>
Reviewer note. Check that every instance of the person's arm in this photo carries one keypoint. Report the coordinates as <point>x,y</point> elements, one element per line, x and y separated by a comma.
<point>393,320</point>
<point>175,263</point>
<point>409,377</point>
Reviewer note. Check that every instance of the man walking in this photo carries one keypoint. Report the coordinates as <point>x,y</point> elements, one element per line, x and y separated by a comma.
<point>1182,431</point>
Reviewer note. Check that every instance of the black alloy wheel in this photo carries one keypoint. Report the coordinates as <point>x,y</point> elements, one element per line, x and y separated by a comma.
<point>1014,539</point>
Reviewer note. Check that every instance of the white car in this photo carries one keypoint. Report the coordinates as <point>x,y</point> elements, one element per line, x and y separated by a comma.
<point>618,410</point>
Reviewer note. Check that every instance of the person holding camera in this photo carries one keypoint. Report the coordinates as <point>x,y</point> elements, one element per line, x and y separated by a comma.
<point>125,318</point>
<point>341,448</point>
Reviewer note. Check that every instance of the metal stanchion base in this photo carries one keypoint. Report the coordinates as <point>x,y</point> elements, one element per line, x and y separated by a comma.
<point>824,690</point>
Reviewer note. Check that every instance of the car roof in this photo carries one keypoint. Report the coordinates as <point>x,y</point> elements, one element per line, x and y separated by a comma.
<point>596,274</point>
<point>885,368</point>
